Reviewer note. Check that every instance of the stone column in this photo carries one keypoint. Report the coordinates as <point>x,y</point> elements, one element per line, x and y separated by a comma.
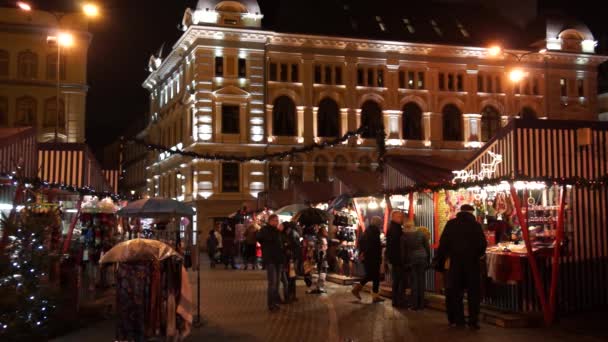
<point>309,117</point>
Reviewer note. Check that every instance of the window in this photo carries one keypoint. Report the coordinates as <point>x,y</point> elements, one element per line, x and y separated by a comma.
<point>441,81</point>
<point>450,82</point>
<point>402,79</point>
<point>452,123</point>
<point>283,72</point>
<point>275,177</point>
<point>408,25</point>
<point>219,66</point>
<point>480,87</point>
<point>498,84</point>
<point>296,173</point>
<point>321,169</point>
<point>580,85</point>
<point>230,119</point>
<point>380,78</point>
<point>535,87</point>
<point>230,177</point>
<point>51,67</point>
<point>528,113</point>
<point>317,74</point>
<point>284,117</point>
<point>338,75</point>
<point>360,77</point>
<point>4,63</point>
<point>490,123</point>
<point>410,80</point>
<point>370,77</point>
<point>563,84</point>
<point>459,82</point>
<point>371,118</point>
<point>3,111</point>
<point>50,113</point>
<point>272,73</point>
<point>328,74</point>
<point>436,28</point>
<point>328,119</point>
<point>242,67</point>
<point>27,65</point>
<point>420,80</point>
<point>294,73</point>
<point>380,24</point>
<point>489,86</point>
<point>412,122</point>
<point>26,111</point>
<point>527,87</point>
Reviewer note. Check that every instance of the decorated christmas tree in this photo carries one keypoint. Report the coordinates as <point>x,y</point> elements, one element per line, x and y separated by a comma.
<point>25,295</point>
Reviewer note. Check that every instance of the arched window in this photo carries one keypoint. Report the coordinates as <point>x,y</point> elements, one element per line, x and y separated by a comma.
<point>321,169</point>
<point>4,63</point>
<point>490,122</point>
<point>412,122</point>
<point>328,119</point>
<point>26,111</point>
<point>528,113</point>
<point>51,66</point>
<point>371,117</point>
<point>27,66</point>
<point>3,111</point>
<point>452,123</point>
<point>365,164</point>
<point>50,113</point>
<point>340,162</point>
<point>284,117</point>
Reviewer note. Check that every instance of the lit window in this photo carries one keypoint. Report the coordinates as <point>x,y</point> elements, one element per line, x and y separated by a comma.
<point>410,79</point>
<point>380,78</point>
<point>462,30</point>
<point>420,80</point>
<point>408,25</point>
<point>436,28</point>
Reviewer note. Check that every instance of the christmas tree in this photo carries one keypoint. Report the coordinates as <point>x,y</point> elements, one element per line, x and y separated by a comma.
<point>25,295</point>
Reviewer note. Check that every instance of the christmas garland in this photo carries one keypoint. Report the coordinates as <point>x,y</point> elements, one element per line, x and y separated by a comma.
<point>37,183</point>
<point>579,182</point>
<point>380,144</point>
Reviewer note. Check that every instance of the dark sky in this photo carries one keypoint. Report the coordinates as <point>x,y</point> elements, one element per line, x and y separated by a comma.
<point>130,30</point>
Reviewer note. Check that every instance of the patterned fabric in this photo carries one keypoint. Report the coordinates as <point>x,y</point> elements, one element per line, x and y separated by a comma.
<point>130,301</point>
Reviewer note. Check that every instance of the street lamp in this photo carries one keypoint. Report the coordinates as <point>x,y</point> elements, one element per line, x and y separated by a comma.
<point>62,39</point>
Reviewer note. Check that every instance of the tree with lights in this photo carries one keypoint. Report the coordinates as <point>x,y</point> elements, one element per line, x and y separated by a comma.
<point>25,295</point>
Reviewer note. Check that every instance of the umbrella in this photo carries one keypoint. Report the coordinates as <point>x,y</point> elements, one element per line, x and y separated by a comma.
<point>152,207</point>
<point>139,250</point>
<point>290,210</point>
<point>310,216</point>
<point>340,202</point>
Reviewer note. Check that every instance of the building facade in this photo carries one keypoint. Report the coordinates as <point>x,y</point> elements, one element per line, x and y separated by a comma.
<point>230,86</point>
<point>29,77</point>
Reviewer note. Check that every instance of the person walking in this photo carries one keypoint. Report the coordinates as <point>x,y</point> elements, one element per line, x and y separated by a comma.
<point>272,256</point>
<point>228,240</point>
<point>463,243</point>
<point>394,256</point>
<point>371,251</point>
<point>418,252</point>
<point>293,253</point>
<point>249,249</point>
<point>212,248</point>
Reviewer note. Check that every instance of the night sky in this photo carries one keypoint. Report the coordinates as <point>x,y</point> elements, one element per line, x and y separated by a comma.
<point>130,30</point>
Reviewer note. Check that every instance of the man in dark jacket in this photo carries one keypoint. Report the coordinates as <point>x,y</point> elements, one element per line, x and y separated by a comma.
<point>463,244</point>
<point>371,251</point>
<point>273,257</point>
<point>293,253</point>
<point>394,256</point>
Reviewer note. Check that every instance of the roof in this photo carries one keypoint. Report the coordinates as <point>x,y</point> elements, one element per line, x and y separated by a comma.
<point>425,169</point>
<point>422,22</point>
<point>358,183</point>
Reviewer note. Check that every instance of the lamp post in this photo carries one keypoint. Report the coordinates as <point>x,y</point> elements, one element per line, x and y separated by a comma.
<point>62,39</point>
<point>517,74</point>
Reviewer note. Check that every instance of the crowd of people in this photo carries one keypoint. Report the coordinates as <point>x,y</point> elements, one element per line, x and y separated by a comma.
<point>287,251</point>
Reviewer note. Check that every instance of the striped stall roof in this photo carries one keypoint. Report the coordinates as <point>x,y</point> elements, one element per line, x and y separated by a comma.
<point>70,164</point>
<point>112,176</point>
<point>18,148</point>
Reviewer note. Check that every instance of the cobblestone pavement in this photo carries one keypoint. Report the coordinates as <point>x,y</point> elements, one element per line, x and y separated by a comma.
<point>233,308</point>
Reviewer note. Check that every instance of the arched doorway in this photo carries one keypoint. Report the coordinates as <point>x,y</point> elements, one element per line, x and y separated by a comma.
<point>452,123</point>
<point>284,117</point>
<point>328,119</point>
<point>412,121</point>
<point>371,117</point>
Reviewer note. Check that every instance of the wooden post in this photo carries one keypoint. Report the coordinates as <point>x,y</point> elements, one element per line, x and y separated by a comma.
<point>411,206</point>
<point>538,284</point>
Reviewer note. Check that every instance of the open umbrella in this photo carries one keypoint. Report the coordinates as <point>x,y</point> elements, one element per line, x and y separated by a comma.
<point>139,250</point>
<point>310,216</point>
<point>340,202</point>
<point>152,207</point>
<point>290,210</point>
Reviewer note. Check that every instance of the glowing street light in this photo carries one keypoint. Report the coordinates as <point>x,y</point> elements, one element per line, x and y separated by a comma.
<point>65,39</point>
<point>90,10</point>
<point>494,50</point>
<point>24,6</point>
<point>516,75</point>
